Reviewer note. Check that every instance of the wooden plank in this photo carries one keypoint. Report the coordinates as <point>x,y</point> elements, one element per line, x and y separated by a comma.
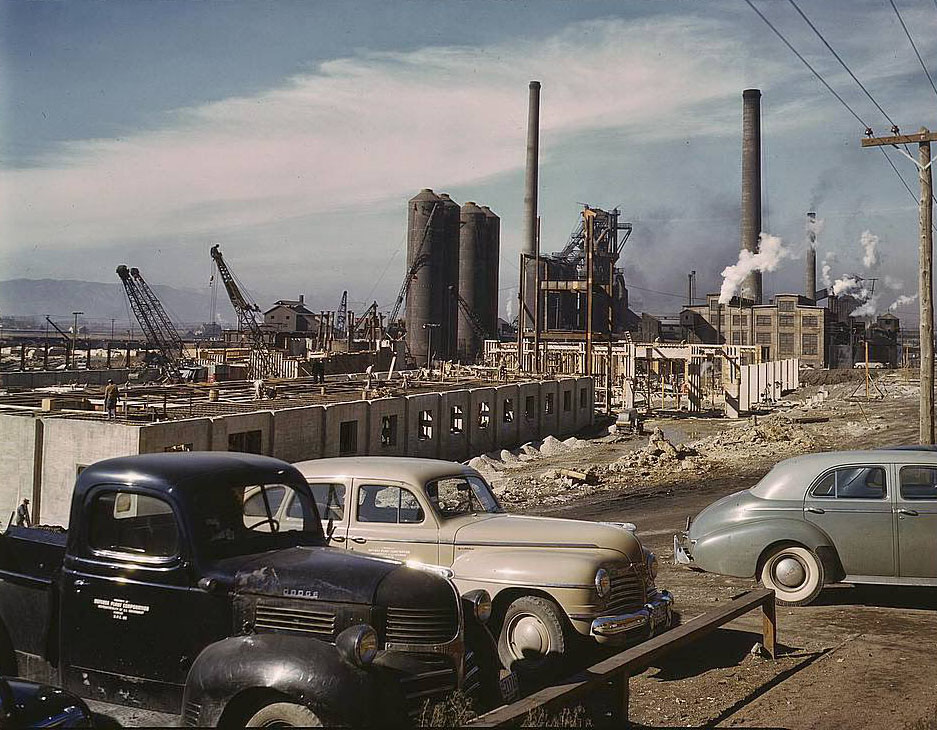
<point>629,661</point>
<point>899,139</point>
<point>769,626</point>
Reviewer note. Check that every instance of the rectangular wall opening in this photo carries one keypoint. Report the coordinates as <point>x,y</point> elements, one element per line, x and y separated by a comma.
<point>425,425</point>
<point>484,415</point>
<point>388,431</point>
<point>348,437</point>
<point>508,410</point>
<point>456,420</point>
<point>548,404</point>
<point>247,442</point>
<point>530,408</point>
<point>567,400</point>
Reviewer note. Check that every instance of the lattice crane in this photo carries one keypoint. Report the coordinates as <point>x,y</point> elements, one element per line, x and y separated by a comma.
<point>341,318</point>
<point>419,260</point>
<point>165,323</point>
<point>247,311</point>
<point>168,355</point>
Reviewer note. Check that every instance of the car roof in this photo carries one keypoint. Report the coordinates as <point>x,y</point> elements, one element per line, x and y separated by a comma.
<point>790,478</point>
<point>396,468</point>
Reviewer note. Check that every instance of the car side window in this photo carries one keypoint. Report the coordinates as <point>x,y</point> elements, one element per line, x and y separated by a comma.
<point>254,505</point>
<point>390,505</point>
<point>330,499</point>
<point>852,482</point>
<point>918,482</point>
<point>136,524</point>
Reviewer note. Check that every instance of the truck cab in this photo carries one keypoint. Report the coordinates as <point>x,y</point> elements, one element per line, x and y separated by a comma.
<point>164,593</point>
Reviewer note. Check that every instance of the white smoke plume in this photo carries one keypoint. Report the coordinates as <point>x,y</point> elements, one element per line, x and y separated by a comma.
<point>901,301</point>
<point>771,251</point>
<point>826,269</point>
<point>866,310</point>
<point>892,283</point>
<point>869,243</point>
<point>815,226</point>
<point>850,286</point>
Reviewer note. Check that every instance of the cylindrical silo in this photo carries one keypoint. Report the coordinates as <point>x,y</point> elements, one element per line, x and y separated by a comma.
<point>449,281</point>
<point>492,264</point>
<point>424,240</point>
<point>473,280</point>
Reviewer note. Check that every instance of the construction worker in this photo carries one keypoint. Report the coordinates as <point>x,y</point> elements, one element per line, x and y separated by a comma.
<point>111,394</point>
<point>22,514</point>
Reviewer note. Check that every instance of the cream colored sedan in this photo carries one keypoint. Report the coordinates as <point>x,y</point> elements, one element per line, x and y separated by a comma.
<point>550,580</point>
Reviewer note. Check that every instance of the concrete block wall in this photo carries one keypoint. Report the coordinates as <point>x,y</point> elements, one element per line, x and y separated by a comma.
<point>454,407</point>
<point>223,427</point>
<point>566,405</point>
<point>425,448</point>
<point>298,433</point>
<point>585,402</point>
<point>390,408</point>
<point>549,408</point>
<point>17,461</point>
<point>507,413</point>
<point>481,440</point>
<point>338,413</point>
<point>529,409</point>
<point>195,433</point>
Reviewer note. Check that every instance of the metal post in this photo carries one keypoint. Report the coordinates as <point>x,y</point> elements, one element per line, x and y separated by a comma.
<point>521,311</point>
<point>588,217</point>
<point>927,291</point>
<point>75,340</point>
<point>537,303</point>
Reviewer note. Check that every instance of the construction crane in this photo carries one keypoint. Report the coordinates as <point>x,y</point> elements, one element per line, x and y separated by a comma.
<point>68,341</point>
<point>168,354</point>
<point>262,365</point>
<point>368,318</point>
<point>471,315</point>
<point>166,326</point>
<point>419,260</point>
<point>341,317</point>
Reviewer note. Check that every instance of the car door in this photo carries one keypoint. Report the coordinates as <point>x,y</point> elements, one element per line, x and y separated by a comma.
<point>390,521</point>
<point>854,506</point>
<point>330,496</point>
<point>916,512</point>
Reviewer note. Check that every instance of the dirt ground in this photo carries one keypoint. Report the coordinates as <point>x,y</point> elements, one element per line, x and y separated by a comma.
<point>860,657</point>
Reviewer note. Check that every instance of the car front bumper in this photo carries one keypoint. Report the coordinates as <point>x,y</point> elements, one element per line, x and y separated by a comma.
<point>653,618</point>
<point>682,554</point>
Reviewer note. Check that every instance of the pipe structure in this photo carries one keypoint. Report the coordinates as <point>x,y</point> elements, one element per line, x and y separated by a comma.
<point>751,186</point>
<point>533,161</point>
<point>810,273</point>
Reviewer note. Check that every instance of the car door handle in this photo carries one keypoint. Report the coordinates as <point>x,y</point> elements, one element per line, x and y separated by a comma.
<point>816,510</point>
<point>337,538</point>
<point>359,540</point>
<point>79,582</point>
<point>908,512</point>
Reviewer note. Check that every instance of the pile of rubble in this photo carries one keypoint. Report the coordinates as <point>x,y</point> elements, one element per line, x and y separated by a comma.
<point>659,452</point>
<point>496,461</point>
<point>777,432</point>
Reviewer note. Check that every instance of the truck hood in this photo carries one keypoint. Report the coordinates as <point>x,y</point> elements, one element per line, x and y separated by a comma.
<point>522,531</point>
<point>317,573</point>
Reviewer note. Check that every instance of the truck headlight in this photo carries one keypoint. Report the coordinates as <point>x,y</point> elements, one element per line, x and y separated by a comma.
<point>357,645</point>
<point>651,559</point>
<point>480,604</point>
<point>603,584</point>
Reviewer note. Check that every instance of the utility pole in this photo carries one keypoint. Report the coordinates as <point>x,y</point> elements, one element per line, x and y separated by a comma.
<point>75,340</point>
<point>926,279</point>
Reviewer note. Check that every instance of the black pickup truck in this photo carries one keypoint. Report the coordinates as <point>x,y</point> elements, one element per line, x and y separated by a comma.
<point>165,593</point>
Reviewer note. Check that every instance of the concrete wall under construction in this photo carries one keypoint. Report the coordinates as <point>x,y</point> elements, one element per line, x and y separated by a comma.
<point>41,455</point>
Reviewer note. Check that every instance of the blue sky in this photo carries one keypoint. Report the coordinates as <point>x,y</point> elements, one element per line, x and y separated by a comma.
<point>294,132</point>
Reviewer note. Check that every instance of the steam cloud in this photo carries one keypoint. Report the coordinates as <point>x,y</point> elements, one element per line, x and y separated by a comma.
<point>866,310</point>
<point>901,301</point>
<point>771,251</point>
<point>869,243</point>
<point>826,269</point>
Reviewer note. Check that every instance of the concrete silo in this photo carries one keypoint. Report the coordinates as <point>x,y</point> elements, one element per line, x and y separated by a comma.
<point>449,277</point>
<point>425,234</point>
<point>474,280</point>
<point>489,304</point>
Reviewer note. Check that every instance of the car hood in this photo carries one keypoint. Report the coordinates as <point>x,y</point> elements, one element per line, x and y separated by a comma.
<point>318,573</point>
<point>522,531</point>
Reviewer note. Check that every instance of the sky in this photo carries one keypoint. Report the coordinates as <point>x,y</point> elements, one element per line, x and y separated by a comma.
<point>293,133</point>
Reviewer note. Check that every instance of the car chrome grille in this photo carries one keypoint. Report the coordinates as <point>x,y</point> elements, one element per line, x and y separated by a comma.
<point>190,713</point>
<point>319,622</point>
<point>421,625</point>
<point>627,593</point>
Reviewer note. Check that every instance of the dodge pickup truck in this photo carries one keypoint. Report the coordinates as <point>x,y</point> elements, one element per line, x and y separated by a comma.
<point>165,594</point>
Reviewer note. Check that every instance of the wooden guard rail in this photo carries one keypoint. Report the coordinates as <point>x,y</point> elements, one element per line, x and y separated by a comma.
<point>613,673</point>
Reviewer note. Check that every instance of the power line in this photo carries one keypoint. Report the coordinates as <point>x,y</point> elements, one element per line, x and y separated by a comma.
<point>913,45</point>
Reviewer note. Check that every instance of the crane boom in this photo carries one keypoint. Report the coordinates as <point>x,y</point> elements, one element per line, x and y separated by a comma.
<point>247,316</point>
<point>168,329</point>
<point>419,260</point>
<point>341,318</point>
<point>168,355</point>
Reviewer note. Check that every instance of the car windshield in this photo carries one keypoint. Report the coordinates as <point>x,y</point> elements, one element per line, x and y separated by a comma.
<point>461,495</point>
<point>231,520</point>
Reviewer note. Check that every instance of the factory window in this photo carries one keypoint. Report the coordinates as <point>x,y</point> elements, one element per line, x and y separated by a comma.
<point>484,415</point>
<point>508,410</point>
<point>248,442</point>
<point>763,338</point>
<point>426,425</point>
<point>583,398</point>
<point>736,338</point>
<point>785,320</point>
<point>530,408</point>
<point>456,423</point>
<point>388,431</point>
<point>809,321</point>
<point>808,344</point>
<point>567,400</point>
<point>786,343</point>
<point>786,305</point>
<point>548,403</point>
<point>348,437</point>
<point>763,320</point>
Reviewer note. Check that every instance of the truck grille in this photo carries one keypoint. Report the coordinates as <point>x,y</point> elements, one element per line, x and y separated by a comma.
<point>319,622</point>
<point>439,678</point>
<point>190,714</point>
<point>627,592</point>
<point>421,625</point>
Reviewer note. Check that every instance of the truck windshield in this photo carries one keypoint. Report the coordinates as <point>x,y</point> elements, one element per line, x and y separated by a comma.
<point>233,520</point>
<point>461,495</point>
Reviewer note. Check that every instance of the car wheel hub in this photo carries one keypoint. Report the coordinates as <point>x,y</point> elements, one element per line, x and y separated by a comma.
<point>789,572</point>
<point>529,637</point>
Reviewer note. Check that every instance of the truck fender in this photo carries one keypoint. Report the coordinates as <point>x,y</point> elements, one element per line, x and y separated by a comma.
<point>302,670</point>
<point>737,549</point>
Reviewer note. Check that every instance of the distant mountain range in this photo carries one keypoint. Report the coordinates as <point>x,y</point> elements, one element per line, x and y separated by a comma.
<point>102,301</point>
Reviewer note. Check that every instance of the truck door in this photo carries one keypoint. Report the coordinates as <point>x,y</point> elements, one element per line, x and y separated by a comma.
<point>853,505</point>
<point>389,521</point>
<point>916,510</point>
<point>131,623</point>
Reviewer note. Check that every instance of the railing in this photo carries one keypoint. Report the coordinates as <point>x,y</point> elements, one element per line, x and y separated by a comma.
<point>613,673</point>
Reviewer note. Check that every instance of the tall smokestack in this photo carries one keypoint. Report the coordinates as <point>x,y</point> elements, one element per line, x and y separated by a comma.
<point>751,185</point>
<point>810,274</point>
<point>533,159</point>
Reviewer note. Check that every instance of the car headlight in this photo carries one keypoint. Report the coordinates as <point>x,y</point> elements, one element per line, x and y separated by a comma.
<point>651,559</point>
<point>480,604</point>
<point>603,584</point>
<point>357,645</point>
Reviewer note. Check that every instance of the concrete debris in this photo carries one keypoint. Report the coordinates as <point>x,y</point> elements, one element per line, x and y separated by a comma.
<point>552,445</point>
